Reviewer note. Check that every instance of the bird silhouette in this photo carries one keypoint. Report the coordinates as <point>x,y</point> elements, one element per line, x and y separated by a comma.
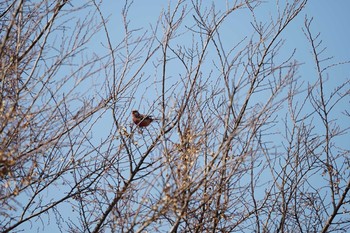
<point>142,120</point>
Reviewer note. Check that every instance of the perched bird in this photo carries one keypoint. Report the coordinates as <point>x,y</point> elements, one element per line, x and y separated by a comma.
<point>142,120</point>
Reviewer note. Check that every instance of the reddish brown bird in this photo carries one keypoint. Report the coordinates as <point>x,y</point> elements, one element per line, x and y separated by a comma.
<point>142,120</point>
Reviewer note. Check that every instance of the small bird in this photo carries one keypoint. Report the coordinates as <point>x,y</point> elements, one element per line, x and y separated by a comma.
<point>142,120</point>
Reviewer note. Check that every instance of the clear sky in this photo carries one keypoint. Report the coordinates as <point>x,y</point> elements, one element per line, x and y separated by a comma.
<point>330,18</point>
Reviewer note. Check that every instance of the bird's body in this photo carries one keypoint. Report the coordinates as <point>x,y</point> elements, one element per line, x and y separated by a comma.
<point>141,120</point>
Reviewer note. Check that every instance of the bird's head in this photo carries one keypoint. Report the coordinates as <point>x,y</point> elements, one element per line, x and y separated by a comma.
<point>135,113</point>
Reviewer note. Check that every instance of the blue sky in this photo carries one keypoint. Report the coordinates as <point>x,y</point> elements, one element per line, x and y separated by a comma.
<point>330,18</point>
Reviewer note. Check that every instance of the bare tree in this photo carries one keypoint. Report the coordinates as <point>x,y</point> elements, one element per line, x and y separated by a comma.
<point>245,143</point>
